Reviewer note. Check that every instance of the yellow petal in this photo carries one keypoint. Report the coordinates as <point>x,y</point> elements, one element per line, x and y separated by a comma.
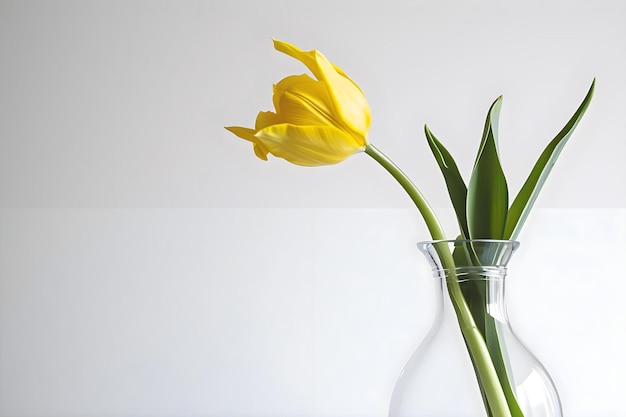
<point>248,134</point>
<point>308,145</point>
<point>286,84</point>
<point>309,59</point>
<point>347,97</point>
<point>260,150</point>
<point>242,132</point>
<point>265,119</point>
<point>301,100</point>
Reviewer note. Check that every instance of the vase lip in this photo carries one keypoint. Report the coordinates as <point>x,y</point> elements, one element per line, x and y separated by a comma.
<point>514,244</point>
<point>432,242</point>
<point>488,252</point>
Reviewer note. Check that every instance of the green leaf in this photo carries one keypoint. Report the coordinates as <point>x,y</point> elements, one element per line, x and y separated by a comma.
<point>527,195</point>
<point>487,194</point>
<point>456,186</point>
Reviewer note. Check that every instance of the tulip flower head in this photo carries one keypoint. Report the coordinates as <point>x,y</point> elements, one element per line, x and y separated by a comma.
<point>319,121</point>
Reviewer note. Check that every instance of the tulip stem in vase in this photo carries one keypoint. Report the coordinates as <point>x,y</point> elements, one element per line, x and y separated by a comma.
<point>493,391</point>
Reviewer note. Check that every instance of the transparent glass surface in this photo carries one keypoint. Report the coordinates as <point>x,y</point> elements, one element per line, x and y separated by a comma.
<point>440,379</point>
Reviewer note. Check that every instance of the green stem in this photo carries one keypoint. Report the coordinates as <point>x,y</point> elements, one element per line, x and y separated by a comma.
<point>475,342</point>
<point>434,227</point>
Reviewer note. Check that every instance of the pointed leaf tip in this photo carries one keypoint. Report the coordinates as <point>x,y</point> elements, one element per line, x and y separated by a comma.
<point>457,189</point>
<point>525,199</point>
<point>487,191</point>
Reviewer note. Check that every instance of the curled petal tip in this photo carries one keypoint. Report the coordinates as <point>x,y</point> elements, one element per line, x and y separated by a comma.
<point>282,45</point>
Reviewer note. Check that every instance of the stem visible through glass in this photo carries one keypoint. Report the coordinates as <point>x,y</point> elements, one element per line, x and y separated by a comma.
<point>476,345</point>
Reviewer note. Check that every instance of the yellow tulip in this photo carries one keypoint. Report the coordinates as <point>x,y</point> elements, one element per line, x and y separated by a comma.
<point>318,121</point>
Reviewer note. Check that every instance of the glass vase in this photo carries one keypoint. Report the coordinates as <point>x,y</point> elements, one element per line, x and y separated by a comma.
<point>471,364</point>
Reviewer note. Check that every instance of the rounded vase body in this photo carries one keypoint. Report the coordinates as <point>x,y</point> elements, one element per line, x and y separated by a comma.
<point>471,364</point>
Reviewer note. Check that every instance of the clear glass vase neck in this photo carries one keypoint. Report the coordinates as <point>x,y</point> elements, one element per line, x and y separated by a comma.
<point>471,349</point>
<point>483,253</point>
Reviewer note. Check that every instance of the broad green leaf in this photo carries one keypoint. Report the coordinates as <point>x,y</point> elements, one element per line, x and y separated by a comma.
<point>456,186</point>
<point>527,195</point>
<point>487,193</point>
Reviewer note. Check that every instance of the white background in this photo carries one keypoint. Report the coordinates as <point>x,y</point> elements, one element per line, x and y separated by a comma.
<point>150,265</point>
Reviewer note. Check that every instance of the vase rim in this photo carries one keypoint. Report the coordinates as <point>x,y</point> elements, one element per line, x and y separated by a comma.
<point>426,243</point>
<point>467,240</point>
<point>489,252</point>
